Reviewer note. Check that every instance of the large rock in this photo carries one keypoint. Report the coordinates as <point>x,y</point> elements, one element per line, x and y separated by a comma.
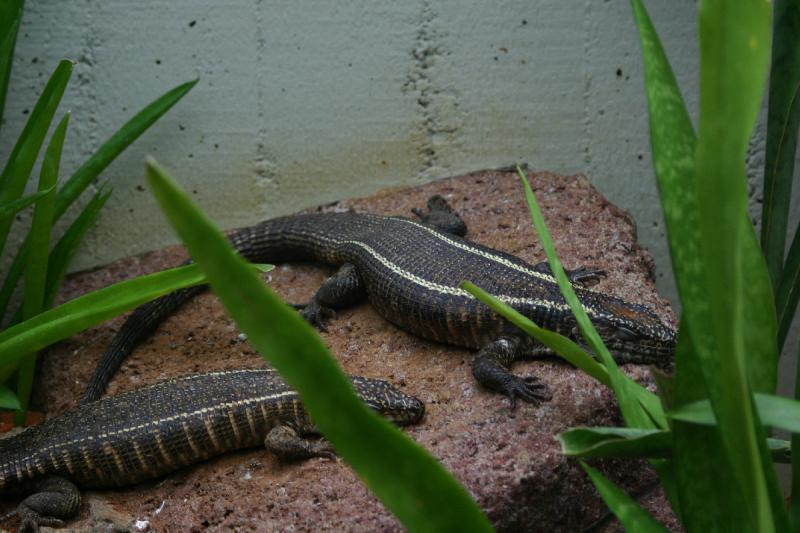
<point>510,462</point>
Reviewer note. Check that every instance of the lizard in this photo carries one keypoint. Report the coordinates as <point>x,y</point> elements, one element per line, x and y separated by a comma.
<point>410,271</point>
<point>149,432</point>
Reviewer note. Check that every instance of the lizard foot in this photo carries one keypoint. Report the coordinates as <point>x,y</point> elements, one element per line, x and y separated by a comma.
<point>317,315</point>
<point>442,216</point>
<point>30,521</point>
<point>528,388</point>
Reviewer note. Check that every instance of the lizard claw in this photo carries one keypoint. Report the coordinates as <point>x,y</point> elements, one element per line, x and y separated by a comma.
<point>317,315</point>
<point>528,388</point>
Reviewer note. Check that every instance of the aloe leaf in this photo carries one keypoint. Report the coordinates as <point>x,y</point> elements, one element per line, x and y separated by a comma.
<point>408,480</point>
<point>10,17</point>
<point>783,119</point>
<point>90,309</point>
<point>734,52</point>
<point>774,411</point>
<point>625,508</point>
<point>616,442</point>
<point>36,269</point>
<point>92,168</point>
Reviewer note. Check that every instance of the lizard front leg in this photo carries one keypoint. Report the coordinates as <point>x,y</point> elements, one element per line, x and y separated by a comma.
<point>490,367</point>
<point>56,499</point>
<point>343,289</point>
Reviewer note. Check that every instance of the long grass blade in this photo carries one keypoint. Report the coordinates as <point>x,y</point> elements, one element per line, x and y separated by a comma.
<point>92,168</point>
<point>632,410</point>
<point>408,480</point>
<point>10,17</point>
<point>23,156</point>
<point>90,309</point>
<point>36,270</point>
<point>12,208</point>
<point>67,245</point>
<point>625,508</point>
<point>616,442</point>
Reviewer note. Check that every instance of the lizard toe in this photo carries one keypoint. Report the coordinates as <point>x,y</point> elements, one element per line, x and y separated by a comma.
<point>529,389</point>
<point>317,315</point>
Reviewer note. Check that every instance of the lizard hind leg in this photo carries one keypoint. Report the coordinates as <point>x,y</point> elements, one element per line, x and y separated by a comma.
<point>284,442</point>
<point>490,367</point>
<point>343,289</point>
<point>441,216</point>
<point>57,499</point>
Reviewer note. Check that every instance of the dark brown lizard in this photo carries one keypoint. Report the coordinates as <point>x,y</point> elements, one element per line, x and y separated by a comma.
<point>410,271</point>
<point>155,430</point>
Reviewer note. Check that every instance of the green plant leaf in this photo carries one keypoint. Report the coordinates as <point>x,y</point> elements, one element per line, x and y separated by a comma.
<point>774,411</point>
<point>734,52</point>
<point>632,409</point>
<point>638,443</point>
<point>23,156</point>
<point>90,309</point>
<point>783,119</point>
<point>10,17</point>
<point>12,208</point>
<point>8,400</point>
<point>788,291</point>
<point>67,245</point>
<point>36,269</point>
<point>408,480</point>
<point>92,168</point>
<point>616,442</point>
<point>625,508</point>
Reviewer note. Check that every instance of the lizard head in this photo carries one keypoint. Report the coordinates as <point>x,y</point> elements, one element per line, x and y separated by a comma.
<point>391,403</point>
<point>634,332</point>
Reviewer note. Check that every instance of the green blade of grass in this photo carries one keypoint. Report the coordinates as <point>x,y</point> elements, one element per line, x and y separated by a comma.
<point>8,400</point>
<point>36,269</point>
<point>67,245</point>
<point>561,345</point>
<point>794,509</point>
<point>616,442</point>
<point>90,309</point>
<point>10,17</point>
<point>92,168</point>
<point>625,508</point>
<point>12,208</point>
<point>23,156</point>
<point>632,410</point>
<point>783,119</point>
<point>408,480</point>
<point>62,254</point>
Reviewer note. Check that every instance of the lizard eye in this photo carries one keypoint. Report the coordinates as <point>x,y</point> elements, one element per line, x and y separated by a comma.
<point>626,335</point>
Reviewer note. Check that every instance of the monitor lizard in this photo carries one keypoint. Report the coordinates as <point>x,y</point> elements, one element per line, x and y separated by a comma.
<point>148,432</point>
<point>410,271</point>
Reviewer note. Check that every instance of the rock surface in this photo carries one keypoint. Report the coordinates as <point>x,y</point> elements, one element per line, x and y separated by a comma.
<point>510,462</point>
